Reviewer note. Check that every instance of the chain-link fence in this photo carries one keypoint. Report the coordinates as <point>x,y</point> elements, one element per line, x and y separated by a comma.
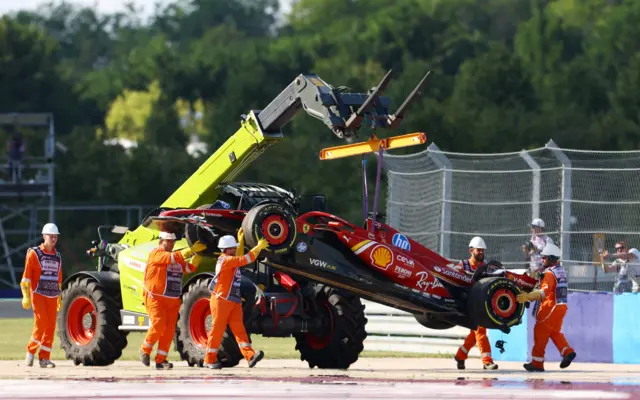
<point>78,227</point>
<point>588,201</point>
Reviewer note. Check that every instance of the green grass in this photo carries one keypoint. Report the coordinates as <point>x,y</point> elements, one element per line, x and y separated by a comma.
<point>15,334</point>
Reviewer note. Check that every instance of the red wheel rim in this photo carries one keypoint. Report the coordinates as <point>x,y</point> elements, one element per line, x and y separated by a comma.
<point>81,321</point>
<point>275,229</point>
<point>503,303</point>
<point>320,342</point>
<point>198,322</point>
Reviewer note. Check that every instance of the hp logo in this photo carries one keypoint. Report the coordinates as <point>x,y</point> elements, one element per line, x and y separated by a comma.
<point>399,240</point>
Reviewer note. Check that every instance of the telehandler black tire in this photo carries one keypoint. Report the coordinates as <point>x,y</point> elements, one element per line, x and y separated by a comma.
<point>88,323</point>
<point>344,337</point>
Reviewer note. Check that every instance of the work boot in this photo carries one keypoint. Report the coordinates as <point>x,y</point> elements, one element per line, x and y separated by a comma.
<point>215,365</point>
<point>46,364</point>
<point>566,360</point>
<point>532,368</point>
<point>145,358</point>
<point>460,363</point>
<point>164,365</point>
<point>256,357</point>
<point>490,365</point>
<point>29,360</point>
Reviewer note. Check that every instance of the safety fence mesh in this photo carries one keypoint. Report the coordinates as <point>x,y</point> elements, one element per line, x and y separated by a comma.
<point>588,201</point>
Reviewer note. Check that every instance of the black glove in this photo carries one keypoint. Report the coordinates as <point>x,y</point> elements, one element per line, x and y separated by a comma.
<point>494,263</point>
<point>482,269</point>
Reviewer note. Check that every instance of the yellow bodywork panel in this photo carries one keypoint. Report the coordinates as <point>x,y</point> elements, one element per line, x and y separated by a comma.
<point>239,151</point>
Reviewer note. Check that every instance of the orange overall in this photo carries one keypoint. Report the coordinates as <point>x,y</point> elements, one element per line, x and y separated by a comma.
<point>162,291</point>
<point>478,336</point>
<point>550,315</point>
<point>226,306</point>
<point>44,270</point>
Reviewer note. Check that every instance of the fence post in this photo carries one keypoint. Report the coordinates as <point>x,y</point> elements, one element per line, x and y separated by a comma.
<point>447,175</point>
<point>535,189</point>
<point>565,208</point>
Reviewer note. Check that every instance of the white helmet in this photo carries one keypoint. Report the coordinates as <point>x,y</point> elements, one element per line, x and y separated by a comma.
<point>551,250</point>
<point>50,229</point>
<point>167,236</point>
<point>227,242</point>
<point>477,243</point>
<point>537,222</point>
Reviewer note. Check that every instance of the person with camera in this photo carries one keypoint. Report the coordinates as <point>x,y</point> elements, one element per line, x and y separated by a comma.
<point>626,265</point>
<point>534,246</point>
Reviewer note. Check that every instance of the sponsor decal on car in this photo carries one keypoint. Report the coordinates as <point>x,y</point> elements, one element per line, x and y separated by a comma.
<point>405,260</point>
<point>301,247</point>
<point>400,241</point>
<point>453,274</point>
<point>381,257</point>
<point>322,264</point>
<point>424,283</point>
<point>402,273</point>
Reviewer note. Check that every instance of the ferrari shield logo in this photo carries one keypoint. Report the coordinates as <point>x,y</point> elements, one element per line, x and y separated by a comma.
<point>140,321</point>
<point>305,228</point>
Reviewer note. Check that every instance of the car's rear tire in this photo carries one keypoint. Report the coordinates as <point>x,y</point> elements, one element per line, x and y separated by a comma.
<point>88,324</point>
<point>275,223</point>
<point>492,304</point>
<point>194,324</point>
<point>343,341</point>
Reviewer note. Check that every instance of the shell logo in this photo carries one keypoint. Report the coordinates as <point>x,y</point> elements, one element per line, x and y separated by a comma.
<point>381,257</point>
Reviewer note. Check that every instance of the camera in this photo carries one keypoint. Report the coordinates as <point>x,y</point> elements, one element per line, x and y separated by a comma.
<point>529,245</point>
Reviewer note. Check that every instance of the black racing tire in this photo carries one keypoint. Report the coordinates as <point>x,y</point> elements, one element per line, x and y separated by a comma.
<point>275,223</point>
<point>433,323</point>
<point>88,324</point>
<point>194,324</point>
<point>343,340</point>
<point>492,304</point>
<point>195,233</point>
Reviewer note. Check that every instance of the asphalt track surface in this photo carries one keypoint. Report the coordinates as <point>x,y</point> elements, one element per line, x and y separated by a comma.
<point>370,378</point>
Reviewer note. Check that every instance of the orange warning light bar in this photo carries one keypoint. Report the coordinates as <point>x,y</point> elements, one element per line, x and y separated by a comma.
<point>373,145</point>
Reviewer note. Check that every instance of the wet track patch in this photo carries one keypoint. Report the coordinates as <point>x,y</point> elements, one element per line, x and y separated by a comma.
<point>292,379</point>
<point>310,388</point>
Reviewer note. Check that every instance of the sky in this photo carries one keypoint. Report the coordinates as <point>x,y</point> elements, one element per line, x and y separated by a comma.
<point>104,6</point>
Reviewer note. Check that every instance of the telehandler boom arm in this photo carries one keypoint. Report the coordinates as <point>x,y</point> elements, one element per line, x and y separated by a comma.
<point>341,110</point>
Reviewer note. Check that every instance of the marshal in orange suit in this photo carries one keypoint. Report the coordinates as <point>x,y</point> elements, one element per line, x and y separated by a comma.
<point>477,247</point>
<point>41,288</point>
<point>550,310</point>
<point>162,291</point>
<point>226,300</point>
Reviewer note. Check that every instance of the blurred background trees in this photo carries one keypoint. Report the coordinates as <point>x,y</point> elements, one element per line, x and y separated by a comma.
<point>506,75</point>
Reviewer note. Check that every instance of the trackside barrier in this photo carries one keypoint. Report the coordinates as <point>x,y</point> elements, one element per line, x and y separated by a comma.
<point>602,327</point>
<point>392,330</point>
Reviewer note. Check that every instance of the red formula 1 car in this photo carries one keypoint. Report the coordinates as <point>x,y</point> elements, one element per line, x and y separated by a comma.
<point>319,265</point>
